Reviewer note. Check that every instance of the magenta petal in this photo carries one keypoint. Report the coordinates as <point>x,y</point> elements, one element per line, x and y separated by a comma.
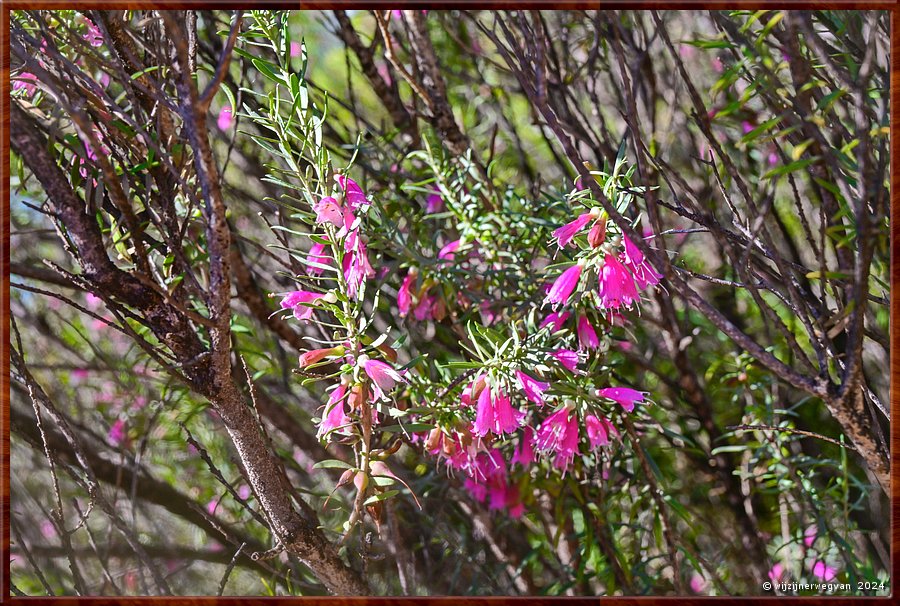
<point>564,286</point>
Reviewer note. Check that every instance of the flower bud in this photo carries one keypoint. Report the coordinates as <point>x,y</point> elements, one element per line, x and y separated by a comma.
<point>597,234</point>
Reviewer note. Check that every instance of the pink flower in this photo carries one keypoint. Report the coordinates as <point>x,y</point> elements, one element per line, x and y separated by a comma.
<point>316,255</point>
<point>404,295</point>
<point>747,127</point>
<point>623,345</point>
<point>226,118</point>
<point>616,285</point>
<point>587,336</point>
<point>496,414</point>
<point>569,359</point>
<point>296,49</point>
<point>623,395</point>
<point>434,203</point>
<point>598,430</point>
<point>524,455</point>
<point>776,574</point>
<point>299,301</point>
<point>244,492</point>
<point>698,583</point>
<point>423,309</point>
<point>92,300</point>
<point>559,433</point>
<point>117,433</point>
<point>823,571</point>
<point>212,506</point>
<point>772,159</point>
<point>383,376</point>
<point>93,36</point>
<point>488,314</point>
<point>25,81</point>
<point>356,263</point>
<point>334,417</point>
<point>555,320</point>
<point>686,51</point>
<point>488,481</point>
<point>312,356</point>
<point>564,286</point>
<point>644,274</point>
<point>565,233</point>
<point>353,193</point>
<point>329,211</point>
<point>534,389</point>
<point>449,251</point>
<point>809,536</point>
<point>48,530</point>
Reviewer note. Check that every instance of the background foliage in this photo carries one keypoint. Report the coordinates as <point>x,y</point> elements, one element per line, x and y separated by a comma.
<point>165,167</point>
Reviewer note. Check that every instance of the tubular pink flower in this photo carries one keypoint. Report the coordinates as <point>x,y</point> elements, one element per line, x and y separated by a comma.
<point>496,414</point>
<point>434,203</point>
<point>312,356</point>
<point>404,295</point>
<point>809,536</point>
<point>555,320</point>
<point>587,336</point>
<point>448,252</point>
<point>524,455</point>
<point>296,49</point>
<point>316,255</point>
<point>617,287</point>
<point>334,417</point>
<point>823,571</point>
<point>598,430</point>
<point>25,81</point>
<point>353,193</point>
<point>356,263</point>
<point>568,358</point>
<point>559,433</point>
<point>776,574</point>
<point>564,286</point>
<point>534,389</point>
<point>117,433</point>
<point>565,233</point>
<point>226,118</point>
<point>644,273</point>
<point>93,36</point>
<point>329,211</point>
<point>423,309</point>
<point>625,396</point>
<point>384,377</point>
<point>298,301</point>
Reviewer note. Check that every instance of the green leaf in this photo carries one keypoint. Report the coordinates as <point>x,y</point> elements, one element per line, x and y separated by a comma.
<point>789,168</point>
<point>381,497</point>
<point>332,464</point>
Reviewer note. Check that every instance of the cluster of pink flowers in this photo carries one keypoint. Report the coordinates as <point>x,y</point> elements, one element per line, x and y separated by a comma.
<point>341,214</point>
<point>356,392</point>
<point>427,303</point>
<point>485,470</point>
<point>25,81</point>
<point>620,276</point>
<point>93,36</point>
